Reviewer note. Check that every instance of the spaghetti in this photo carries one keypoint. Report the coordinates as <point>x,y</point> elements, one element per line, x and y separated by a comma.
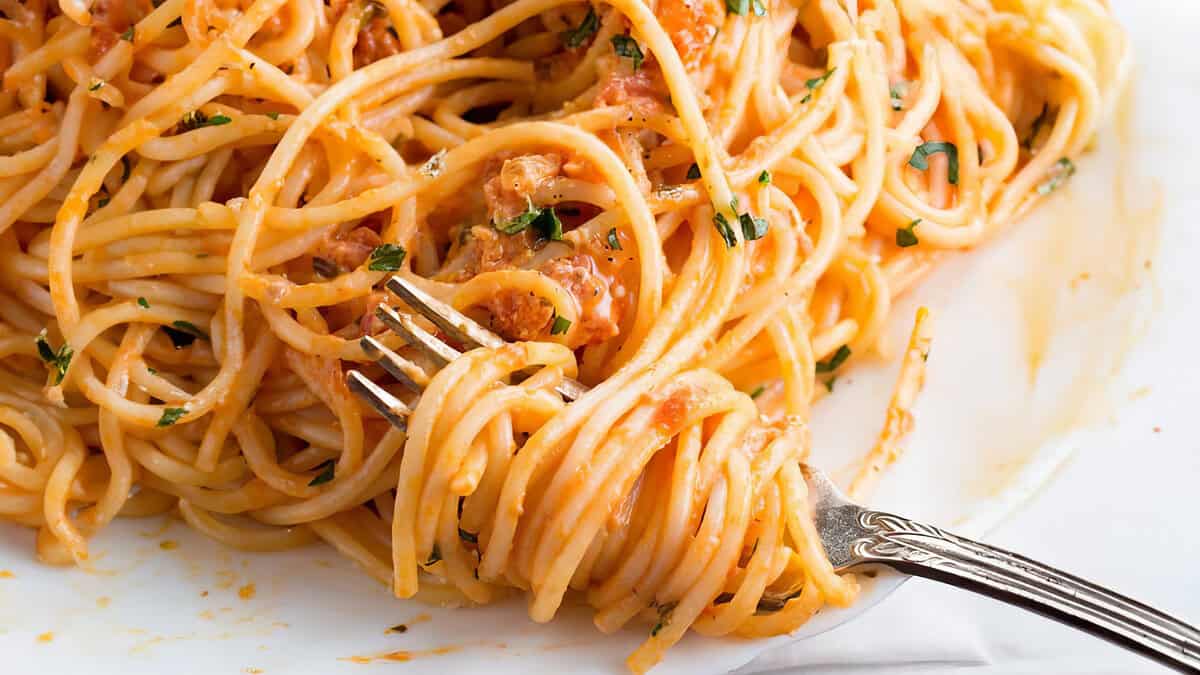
<point>699,209</point>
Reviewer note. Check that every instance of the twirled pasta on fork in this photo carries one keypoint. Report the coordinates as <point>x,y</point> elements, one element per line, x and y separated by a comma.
<point>697,209</point>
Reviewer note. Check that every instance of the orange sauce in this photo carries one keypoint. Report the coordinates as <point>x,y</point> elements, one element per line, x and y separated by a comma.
<point>45,637</point>
<point>246,592</point>
<point>6,574</point>
<point>168,545</point>
<point>403,654</point>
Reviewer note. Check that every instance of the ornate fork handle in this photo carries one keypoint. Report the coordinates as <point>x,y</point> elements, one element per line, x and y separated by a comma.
<point>926,551</point>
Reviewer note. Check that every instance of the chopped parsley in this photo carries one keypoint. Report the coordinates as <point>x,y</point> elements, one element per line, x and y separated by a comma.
<point>143,303</point>
<point>196,119</point>
<point>469,537</point>
<point>543,220</point>
<point>752,227</point>
<point>839,357</point>
<point>614,242</point>
<point>758,391</point>
<point>693,172</point>
<point>324,268</point>
<point>815,83</point>
<point>764,178</point>
<point>664,617</point>
<point>96,85</point>
<point>102,202</point>
<point>829,384</point>
<point>170,416</point>
<point>386,258</point>
<point>59,361</point>
<point>325,475</point>
<point>725,230</point>
<point>905,236</point>
<point>432,168</point>
<point>273,115</point>
<point>627,47</point>
<point>561,325</point>
<point>128,34</point>
<point>920,157</point>
<point>739,7</point>
<point>575,37</point>
<point>896,93</point>
<point>758,7</point>
<point>1058,174</point>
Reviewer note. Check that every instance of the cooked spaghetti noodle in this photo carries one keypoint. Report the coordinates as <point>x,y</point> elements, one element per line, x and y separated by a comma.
<point>699,208</point>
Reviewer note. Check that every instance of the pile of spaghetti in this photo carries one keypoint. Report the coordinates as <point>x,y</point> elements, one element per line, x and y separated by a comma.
<point>700,208</point>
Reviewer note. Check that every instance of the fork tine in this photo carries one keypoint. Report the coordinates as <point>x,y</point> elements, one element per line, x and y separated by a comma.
<point>406,372</point>
<point>461,328</point>
<point>439,351</point>
<point>384,403</point>
<point>453,323</point>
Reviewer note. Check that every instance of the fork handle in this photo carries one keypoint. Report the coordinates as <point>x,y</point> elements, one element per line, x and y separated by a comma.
<point>926,551</point>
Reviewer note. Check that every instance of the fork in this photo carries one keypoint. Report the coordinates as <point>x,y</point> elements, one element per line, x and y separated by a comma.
<point>853,536</point>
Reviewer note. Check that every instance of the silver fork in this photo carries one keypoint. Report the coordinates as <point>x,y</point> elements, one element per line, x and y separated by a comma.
<point>853,536</point>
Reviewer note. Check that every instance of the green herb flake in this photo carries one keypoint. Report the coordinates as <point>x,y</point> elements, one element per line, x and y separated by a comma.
<point>547,225</point>
<point>664,617</point>
<point>839,357</point>
<point>575,37</point>
<point>1058,174</point>
<point>196,119</point>
<point>758,391</point>
<point>152,371</point>
<point>896,93</point>
<point>758,7</point>
<point>764,178</point>
<point>905,236</point>
<point>614,241</point>
<point>96,85</point>
<point>627,47</point>
<point>469,537</point>
<point>102,202</point>
<point>815,83</point>
<point>752,227</point>
<point>561,325</point>
<point>59,361</point>
<point>386,258</point>
<point>739,7</point>
<point>143,303</point>
<point>170,416</point>
<point>725,230</point>
<point>693,172</point>
<point>273,115</point>
<point>128,34</point>
<point>920,157</point>
<point>325,475</point>
<point>829,384</point>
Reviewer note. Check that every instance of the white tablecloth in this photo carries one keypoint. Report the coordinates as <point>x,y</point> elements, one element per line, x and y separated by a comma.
<point>1125,511</point>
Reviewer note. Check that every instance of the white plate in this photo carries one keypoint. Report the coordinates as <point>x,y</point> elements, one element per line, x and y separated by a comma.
<point>1015,366</point>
